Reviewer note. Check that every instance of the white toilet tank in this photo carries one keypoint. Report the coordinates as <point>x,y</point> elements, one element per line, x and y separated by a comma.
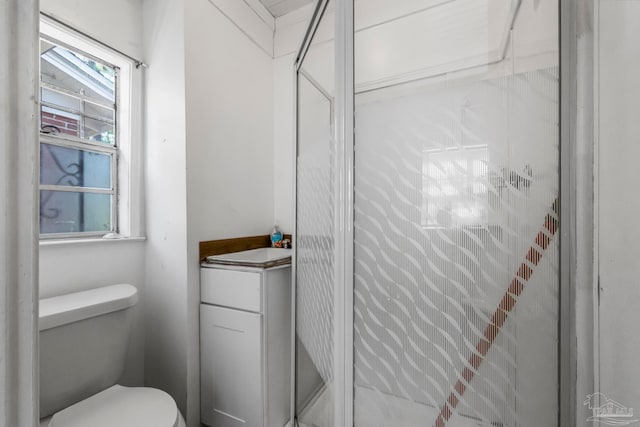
<point>83,344</point>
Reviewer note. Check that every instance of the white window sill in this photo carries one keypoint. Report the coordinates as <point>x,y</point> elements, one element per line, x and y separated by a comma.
<point>88,240</point>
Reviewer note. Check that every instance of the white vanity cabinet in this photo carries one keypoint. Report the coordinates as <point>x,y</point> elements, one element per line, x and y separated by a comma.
<point>245,345</point>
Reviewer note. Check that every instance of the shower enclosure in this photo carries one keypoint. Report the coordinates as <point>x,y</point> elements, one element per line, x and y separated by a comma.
<point>427,214</point>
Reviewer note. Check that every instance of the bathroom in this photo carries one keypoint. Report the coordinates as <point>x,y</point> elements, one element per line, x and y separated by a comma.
<point>215,100</point>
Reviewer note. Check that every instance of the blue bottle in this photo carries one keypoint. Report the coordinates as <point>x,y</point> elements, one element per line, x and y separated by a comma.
<point>276,237</point>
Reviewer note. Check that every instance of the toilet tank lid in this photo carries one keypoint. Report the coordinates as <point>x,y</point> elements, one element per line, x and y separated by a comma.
<point>69,308</point>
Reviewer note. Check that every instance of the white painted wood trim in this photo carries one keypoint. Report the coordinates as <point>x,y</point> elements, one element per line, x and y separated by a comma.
<point>248,21</point>
<point>298,16</point>
<point>262,12</point>
<point>19,220</point>
<point>596,196</point>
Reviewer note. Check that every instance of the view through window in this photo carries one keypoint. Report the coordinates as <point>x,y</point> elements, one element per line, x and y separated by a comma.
<point>78,142</point>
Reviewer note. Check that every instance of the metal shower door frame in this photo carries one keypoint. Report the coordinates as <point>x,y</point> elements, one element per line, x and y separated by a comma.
<point>343,398</point>
<point>343,217</point>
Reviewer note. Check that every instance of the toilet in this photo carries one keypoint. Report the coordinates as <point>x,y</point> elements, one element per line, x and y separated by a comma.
<point>84,340</point>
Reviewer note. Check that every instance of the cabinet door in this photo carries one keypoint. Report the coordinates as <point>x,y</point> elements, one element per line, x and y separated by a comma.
<point>230,363</point>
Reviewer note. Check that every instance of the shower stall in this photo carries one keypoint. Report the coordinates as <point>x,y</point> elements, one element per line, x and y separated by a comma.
<point>427,279</point>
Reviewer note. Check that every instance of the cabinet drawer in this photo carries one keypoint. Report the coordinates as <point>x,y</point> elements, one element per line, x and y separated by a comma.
<point>236,289</point>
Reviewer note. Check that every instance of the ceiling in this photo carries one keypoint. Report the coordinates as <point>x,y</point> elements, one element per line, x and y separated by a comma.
<point>281,7</point>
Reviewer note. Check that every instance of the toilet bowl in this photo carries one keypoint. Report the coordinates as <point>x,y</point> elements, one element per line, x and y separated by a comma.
<point>123,407</point>
<point>83,344</point>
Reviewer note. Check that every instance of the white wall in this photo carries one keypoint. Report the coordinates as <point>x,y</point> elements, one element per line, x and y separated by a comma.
<point>73,267</point>
<point>618,203</point>
<point>229,92</point>
<point>166,216</point>
<point>289,31</point>
<point>209,165</point>
<point>283,141</point>
<point>117,22</point>
<point>229,131</point>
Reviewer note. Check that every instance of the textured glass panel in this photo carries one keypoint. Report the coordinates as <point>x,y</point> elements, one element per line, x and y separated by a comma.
<point>315,236</point>
<point>456,182</point>
<point>73,212</point>
<point>72,167</point>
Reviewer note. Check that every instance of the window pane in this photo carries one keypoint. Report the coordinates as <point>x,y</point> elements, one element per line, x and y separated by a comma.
<point>99,131</point>
<point>74,212</point>
<point>72,167</point>
<point>99,111</point>
<point>76,72</point>
<point>92,81</point>
<point>78,94</point>
<point>59,98</point>
<point>56,122</point>
<point>59,122</point>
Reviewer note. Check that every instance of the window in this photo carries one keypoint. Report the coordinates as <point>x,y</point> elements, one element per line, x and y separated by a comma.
<point>85,137</point>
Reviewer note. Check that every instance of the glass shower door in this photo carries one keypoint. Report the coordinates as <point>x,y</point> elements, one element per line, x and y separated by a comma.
<point>455,213</point>
<point>315,233</point>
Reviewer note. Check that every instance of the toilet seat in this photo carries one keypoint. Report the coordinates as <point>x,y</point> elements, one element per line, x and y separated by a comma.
<point>123,407</point>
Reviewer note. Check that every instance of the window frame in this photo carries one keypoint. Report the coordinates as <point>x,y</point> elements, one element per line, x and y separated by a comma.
<point>126,164</point>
